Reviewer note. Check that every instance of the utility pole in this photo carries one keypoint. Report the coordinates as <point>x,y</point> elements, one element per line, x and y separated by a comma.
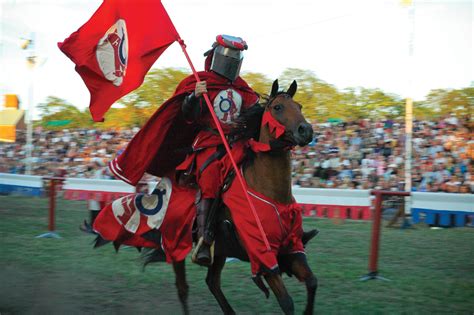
<point>31,60</point>
<point>409,101</point>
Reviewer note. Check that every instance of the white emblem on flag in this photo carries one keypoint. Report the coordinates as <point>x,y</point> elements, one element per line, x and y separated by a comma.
<point>112,52</point>
<point>227,105</point>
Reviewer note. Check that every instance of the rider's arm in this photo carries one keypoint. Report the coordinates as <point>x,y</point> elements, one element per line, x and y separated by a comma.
<point>191,107</point>
<point>192,103</point>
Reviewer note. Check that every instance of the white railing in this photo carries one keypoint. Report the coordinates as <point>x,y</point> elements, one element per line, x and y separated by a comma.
<point>102,185</point>
<point>21,180</point>
<point>318,196</point>
<point>341,197</point>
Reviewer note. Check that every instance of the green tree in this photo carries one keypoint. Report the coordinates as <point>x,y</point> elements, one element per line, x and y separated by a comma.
<point>259,82</point>
<point>449,101</point>
<point>319,99</point>
<point>158,86</point>
<point>377,104</point>
<point>56,110</point>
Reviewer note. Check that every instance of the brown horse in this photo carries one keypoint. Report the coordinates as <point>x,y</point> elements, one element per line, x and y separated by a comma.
<point>269,173</point>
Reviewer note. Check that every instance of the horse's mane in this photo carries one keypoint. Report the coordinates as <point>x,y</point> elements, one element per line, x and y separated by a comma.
<point>247,125</point>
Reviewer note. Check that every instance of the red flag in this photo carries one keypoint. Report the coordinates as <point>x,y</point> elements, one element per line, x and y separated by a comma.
<point>115,49</point>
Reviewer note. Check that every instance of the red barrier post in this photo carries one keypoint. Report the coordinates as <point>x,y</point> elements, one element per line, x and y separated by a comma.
<point>52,204</point>
<point>374,247</point>
<point>375,242</point>
<point>52,208</point>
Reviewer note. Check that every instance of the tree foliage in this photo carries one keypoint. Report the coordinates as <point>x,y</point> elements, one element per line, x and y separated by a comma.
<point>441,102</point>
<point>321,101</point>
<point>56,110</point>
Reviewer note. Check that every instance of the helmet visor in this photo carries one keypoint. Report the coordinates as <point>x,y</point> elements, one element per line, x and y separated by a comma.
<point>227,62</point>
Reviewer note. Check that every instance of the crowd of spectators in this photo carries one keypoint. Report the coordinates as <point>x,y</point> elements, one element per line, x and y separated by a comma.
<point>371,155</point>
<point>362,154</point>
<point>73,153</point>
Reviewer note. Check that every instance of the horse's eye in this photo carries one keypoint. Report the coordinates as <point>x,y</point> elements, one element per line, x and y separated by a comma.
<point>278,107</point>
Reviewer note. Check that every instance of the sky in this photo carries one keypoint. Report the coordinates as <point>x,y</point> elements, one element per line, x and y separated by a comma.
<point>363,43</point>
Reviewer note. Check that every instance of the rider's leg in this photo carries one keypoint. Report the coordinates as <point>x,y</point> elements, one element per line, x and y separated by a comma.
<point>210,182</point>
<point>202,255</point>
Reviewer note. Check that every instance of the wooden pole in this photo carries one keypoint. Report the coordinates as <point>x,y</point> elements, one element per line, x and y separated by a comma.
<point>375,241</point>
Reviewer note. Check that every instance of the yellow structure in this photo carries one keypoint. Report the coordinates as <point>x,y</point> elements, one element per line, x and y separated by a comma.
<point>11,119</point>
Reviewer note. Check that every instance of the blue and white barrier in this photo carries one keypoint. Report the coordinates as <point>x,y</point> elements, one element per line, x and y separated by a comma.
<point>443,208</point>
<point>21,184</point>
<point>447,209</point>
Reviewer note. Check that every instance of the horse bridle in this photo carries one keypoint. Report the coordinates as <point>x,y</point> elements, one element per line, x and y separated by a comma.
<point>275,127</point>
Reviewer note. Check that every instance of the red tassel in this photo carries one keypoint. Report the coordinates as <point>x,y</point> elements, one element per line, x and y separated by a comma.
<point>273,125</point>
<point>259,146</point>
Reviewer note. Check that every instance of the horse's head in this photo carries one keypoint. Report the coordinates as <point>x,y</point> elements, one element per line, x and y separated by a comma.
<point>284,119</point>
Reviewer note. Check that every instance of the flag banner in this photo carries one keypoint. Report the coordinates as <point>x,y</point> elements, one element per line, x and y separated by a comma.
<point>115,49</point>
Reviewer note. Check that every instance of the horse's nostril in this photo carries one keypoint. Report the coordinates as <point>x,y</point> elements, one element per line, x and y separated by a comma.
<point>305,130</point>
<point>302,130</point>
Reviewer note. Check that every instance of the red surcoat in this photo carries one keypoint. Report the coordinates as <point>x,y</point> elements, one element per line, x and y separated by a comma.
<point>282,223</point>
<point>160,145</point>
<point>227,105</point>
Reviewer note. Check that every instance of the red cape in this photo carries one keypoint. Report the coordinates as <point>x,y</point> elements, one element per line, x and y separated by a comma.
<point>164,140</point>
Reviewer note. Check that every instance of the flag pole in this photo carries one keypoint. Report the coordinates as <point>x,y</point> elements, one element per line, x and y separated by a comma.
<point>226,145</point>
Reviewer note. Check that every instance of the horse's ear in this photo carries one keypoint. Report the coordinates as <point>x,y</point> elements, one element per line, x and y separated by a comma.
<point>292,89</point>
<point>274,88</point>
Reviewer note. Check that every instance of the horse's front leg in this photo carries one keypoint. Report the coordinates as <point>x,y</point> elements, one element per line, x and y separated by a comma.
<point>300,268</point>
<point>213,281</point>
<point>181,284</point>
<point>275,282</point>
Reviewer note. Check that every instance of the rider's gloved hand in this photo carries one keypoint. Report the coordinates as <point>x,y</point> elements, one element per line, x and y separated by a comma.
<point>200,88</point>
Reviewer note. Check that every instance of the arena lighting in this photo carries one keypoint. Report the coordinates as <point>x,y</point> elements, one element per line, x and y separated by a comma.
<point>25,43</point>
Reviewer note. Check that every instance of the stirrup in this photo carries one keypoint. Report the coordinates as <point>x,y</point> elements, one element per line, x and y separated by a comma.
<point>196,251</point>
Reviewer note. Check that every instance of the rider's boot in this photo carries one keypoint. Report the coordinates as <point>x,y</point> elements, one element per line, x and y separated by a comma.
<point>202,253</point>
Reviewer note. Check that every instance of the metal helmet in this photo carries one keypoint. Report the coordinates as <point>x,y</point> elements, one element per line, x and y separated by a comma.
<point>227,56</point>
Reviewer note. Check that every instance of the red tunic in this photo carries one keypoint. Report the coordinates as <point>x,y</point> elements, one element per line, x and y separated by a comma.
<point>227,105</point>
<point>160,144</point>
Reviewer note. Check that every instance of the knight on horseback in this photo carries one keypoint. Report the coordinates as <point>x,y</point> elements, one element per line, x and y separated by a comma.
<point>223,64</point>
<point>205,163</point>
<point>180,140</point>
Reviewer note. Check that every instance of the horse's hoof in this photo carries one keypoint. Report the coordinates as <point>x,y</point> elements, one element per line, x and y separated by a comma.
<point>203,261</point>
<point>308,236</point>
